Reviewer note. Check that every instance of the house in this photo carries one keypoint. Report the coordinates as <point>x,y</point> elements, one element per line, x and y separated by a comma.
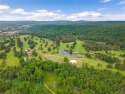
<point>29,52</point>
<point>73,61</point>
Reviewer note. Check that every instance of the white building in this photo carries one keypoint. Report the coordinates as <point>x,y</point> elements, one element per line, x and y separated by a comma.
<point>73,61</point>
<point>24,58</point>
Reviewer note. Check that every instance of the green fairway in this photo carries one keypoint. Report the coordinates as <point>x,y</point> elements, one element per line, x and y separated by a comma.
<point>55,55</point>
<point>12,60</point>
<point>25,44</point>
<point>79,49</point>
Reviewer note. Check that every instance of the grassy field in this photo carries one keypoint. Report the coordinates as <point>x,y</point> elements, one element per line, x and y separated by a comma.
<point>12,60</point>
<point>56,56</point>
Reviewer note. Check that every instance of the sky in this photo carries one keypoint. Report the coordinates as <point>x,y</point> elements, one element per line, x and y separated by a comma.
<point>51,10</point>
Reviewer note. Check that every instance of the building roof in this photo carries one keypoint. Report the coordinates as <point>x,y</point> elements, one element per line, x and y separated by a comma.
<point>73,61</point>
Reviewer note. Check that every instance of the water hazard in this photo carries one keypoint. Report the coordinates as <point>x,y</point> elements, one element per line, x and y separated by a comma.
<point>67,53</point>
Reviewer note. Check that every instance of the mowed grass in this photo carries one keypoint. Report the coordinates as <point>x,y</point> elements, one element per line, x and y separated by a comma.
<point>79,49</point>
<point>55,55</point>
<point>25,43</point>
<point>112,53</point>
<point>12,60</point>
<point>118,53</point>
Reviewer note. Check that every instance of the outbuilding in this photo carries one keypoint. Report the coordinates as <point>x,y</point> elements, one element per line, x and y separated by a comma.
<point>29,52</point>
<point>73,61</point>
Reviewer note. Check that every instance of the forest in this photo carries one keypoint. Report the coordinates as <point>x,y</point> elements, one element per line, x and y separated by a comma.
<point>112,35</point>
<point>29,79</point>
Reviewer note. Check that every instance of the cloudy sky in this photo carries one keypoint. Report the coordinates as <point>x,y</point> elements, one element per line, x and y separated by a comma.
<point>49,10</point>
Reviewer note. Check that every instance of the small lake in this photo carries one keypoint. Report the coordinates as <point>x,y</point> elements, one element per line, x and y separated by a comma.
<point>67,53</point>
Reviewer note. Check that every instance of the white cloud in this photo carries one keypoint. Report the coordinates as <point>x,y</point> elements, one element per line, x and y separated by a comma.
<point>57,11</point>
<point>105,17</point>
<point>100,9</point>
<point>115,17</point>
<point>84,14</point>
<point>45,15</point>
<point>19,11</point>
<point>121,3</point>
<point>43,11</point>
<point>4,8</point>
<point>105,1</point>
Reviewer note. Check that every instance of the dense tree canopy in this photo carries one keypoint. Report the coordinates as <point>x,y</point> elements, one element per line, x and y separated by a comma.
<point>70,79</point>
<point>110,34</point>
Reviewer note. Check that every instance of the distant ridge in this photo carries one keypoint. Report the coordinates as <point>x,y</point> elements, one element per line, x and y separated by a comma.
<point>59,22</point>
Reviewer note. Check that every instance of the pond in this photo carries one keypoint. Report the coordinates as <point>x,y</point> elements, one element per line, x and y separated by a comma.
<point>67,53</point>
